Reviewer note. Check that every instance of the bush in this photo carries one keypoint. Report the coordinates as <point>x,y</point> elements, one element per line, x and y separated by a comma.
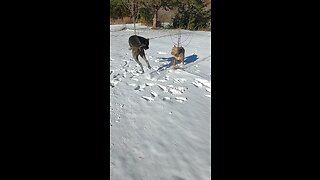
<point>118,10</point>
<point>145,16</point>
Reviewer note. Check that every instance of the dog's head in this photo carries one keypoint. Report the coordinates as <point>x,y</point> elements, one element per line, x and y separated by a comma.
<point>145,44</point>
<point>175,51</point>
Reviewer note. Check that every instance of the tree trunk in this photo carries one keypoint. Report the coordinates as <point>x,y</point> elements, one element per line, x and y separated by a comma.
<point>155,18</point>
<point>134,16</point>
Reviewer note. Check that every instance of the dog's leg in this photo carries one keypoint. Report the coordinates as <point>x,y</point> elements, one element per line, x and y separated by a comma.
<point>182,59</point>
<point>183,55</point>
<point>135,55</point>
<point>143,55</point>
<point>174,61</point>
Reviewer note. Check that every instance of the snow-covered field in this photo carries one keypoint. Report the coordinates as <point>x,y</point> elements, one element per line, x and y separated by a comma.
<point>160,121</point>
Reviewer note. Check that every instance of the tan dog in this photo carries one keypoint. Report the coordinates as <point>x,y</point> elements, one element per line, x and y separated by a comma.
<point>178,54</point>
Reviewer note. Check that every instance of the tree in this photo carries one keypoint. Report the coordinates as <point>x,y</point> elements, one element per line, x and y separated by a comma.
<point>132,5</point>
<point>192,15</point>
<point>154,6</point>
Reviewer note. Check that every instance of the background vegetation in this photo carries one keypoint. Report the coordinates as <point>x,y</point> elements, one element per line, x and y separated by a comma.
<point>184,14</point>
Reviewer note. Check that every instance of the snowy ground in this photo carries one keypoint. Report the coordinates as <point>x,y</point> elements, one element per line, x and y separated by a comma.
<point>160,121</point>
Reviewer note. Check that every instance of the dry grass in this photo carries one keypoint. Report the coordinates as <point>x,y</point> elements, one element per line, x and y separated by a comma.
<point>124,20</point>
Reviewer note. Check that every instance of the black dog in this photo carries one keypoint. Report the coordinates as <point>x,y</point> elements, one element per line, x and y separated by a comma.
<point>138,44</point>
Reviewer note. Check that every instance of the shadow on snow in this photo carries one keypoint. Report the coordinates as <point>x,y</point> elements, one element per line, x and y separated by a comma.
<point>189,59</point>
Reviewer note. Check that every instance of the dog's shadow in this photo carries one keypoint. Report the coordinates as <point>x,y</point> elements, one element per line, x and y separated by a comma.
<point>189,59</point>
